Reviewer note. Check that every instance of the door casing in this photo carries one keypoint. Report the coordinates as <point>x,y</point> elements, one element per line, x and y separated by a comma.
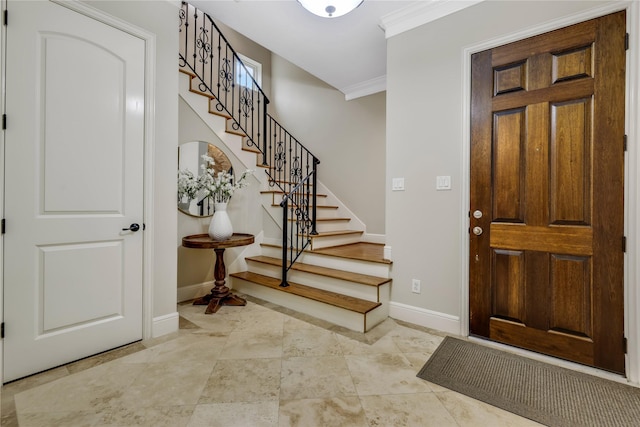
<point>632,160</point>
<point>149,126</point>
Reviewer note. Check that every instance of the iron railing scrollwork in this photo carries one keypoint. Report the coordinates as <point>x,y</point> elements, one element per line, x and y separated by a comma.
<point>222,76</point>
<point>291,168</point>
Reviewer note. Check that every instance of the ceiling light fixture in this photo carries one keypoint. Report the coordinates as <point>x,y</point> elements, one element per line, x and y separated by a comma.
<point>330,8</point>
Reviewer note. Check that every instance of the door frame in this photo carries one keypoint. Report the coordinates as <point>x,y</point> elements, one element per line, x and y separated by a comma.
<point>149,40</point>
<point>632,162</point>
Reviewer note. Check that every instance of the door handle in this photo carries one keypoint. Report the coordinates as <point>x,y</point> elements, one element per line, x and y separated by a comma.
<point>477,231</point>
<point>133,227</point>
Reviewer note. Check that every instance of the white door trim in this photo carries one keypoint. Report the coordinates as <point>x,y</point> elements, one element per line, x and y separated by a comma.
<point>631,285</point>
<point>149,142</point>
<point>3,38</point>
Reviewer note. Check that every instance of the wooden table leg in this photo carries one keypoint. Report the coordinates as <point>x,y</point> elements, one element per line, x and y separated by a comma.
<point>220,294</point>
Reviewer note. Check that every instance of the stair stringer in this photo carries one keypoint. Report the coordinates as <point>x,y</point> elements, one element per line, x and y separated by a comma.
<point>200,106</point>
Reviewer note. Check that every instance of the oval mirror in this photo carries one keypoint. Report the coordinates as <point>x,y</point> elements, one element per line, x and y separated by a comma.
<point>189,164</point>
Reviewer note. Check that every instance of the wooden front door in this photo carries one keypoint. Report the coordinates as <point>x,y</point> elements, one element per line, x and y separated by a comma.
<point>547,178</point>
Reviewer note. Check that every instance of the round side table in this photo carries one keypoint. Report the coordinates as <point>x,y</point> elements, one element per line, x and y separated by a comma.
<point>220,294</point>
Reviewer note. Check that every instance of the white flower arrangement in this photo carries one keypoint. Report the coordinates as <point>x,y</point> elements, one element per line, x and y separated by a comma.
<point>221,186</point>
<point>187,185</point>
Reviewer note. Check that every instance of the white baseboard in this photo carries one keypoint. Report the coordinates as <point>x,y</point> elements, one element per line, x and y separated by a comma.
<point>186,293</point>
<point>374,238</point>
<point>166,324</point>
<point>423,317</point>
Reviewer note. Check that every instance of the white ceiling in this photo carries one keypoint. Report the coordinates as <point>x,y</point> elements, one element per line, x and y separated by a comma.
<point>348,52</point>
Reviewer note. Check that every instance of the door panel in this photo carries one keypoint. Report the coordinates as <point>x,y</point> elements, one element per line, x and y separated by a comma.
<point>547,169</point>
<point>570,152</point>
<point>98,284</point>
<point>71,115</point>
<point>74,154</point>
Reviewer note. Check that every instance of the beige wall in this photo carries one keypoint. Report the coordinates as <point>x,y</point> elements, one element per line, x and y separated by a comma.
<point>195,266</point>
<point>347,136</point>
<point>425,227</point>
<point>249,48</point>
<point>160,18</point>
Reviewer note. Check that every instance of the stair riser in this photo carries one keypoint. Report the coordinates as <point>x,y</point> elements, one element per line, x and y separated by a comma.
<point>357,290</point>
<point>337,240</point>
<point>327,226</point>
<point>320,212</point>
<point>338,316</point>
<point>276,198</point>
<point>355,266</point>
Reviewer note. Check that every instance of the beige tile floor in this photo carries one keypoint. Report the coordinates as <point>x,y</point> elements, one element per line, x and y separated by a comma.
<point>252,366</point>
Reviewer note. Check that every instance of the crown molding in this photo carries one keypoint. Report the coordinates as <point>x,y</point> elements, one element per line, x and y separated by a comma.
<point>421,13</point>
<point>368,87</point>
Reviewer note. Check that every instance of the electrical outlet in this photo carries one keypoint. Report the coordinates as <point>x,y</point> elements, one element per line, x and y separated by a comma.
<point>415,286</point>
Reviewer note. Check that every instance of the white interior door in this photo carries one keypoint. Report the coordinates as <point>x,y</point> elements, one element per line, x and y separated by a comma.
<point>74,181</point>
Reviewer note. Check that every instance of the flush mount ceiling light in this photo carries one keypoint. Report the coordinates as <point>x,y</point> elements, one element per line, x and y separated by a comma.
<point>330,8</point>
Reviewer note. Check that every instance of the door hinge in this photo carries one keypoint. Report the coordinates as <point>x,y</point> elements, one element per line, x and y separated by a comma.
<point>624,344</point>
<point>5,17</point>
<point>624,142</point>
<point>624,243</point>
<point>4,121</point>
<point>2,225</point>
<point>626,41</point>
<point>2,330</point>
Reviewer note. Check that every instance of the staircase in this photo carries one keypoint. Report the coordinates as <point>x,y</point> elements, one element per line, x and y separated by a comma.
<point>333,275</point>
<point>334,284</point>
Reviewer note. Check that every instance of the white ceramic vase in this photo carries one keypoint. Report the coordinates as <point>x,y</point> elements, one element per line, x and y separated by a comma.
<point>220,227</point>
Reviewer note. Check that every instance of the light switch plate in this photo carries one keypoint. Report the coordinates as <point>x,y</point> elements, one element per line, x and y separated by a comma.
<point>397,184</point>
<point>443,183</point>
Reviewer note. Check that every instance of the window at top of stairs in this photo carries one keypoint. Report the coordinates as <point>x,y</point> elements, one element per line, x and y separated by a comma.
<point>253,69</point>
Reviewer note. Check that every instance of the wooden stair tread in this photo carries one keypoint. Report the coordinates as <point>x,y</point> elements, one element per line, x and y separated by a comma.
<point>250,149</point>
<point>311,206</point>
<point>213,110</point>
<point>363,279</point>
<point>341,219</point>
<point>281,192</point>
<point>196,90</point>
<point>279,181</point>
<point>236,132</point>
<point>332,298</point>
<point>335,233</point>
<point>361,251</point>
<point>187,71</point>
<point>220,114</point>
